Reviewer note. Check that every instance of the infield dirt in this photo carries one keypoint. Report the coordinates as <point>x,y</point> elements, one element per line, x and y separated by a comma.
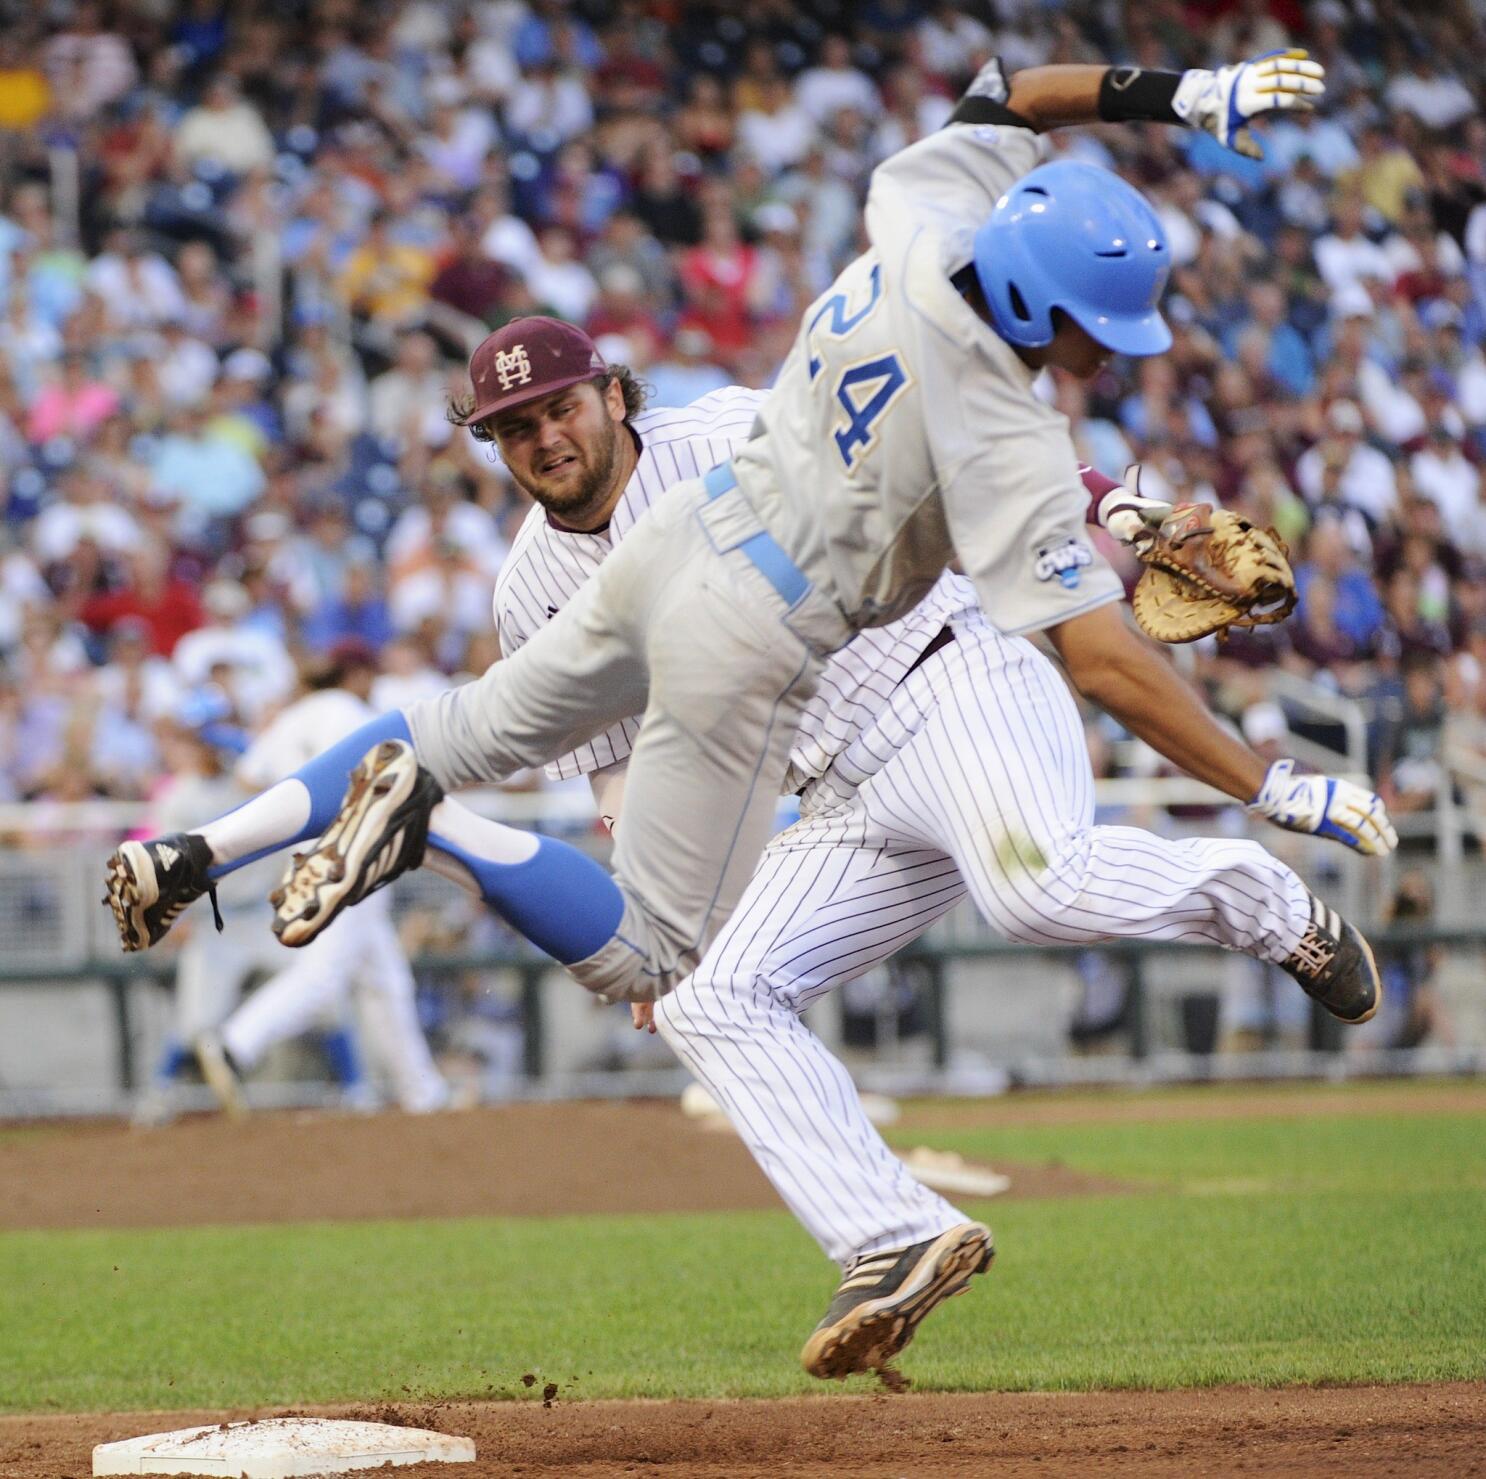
<point>1426,1431</point>
<point>536,1160</point>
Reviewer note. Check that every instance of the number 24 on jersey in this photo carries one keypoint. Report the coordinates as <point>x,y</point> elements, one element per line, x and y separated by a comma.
<point>865,390</point>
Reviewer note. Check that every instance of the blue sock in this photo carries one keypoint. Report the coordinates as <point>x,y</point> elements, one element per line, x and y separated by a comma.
<point>325,778</point>
<point>340,1052</point>
<point>172,1060</point>
<point>560,899</point>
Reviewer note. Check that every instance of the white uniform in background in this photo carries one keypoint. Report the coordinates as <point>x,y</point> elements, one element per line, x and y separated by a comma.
<point>923,779</point>
<point>212,969</point>
<point>360,950</point>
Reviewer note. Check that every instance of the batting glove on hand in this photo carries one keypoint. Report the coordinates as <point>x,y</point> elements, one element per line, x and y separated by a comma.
<point>1324,806</point>
<point>1127,513</point>
<point>1223,102</point>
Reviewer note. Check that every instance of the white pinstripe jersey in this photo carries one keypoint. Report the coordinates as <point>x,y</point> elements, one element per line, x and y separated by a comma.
<point>547,564</point>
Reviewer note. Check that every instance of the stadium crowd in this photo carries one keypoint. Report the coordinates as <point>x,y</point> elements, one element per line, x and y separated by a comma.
<point>245,249</point>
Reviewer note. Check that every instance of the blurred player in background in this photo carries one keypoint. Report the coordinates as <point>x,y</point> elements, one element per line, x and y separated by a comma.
<point>361,954</point>
<point>201,745</point>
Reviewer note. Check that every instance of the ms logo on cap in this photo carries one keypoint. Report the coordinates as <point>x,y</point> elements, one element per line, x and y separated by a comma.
<point>512,367</point>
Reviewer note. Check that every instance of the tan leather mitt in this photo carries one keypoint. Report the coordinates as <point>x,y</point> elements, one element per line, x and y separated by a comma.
<point>1207,570</point>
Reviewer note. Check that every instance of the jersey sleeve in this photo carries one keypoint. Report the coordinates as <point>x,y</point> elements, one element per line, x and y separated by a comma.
<point>516,621</point>
<point>947,181</point>
<point>1017,514</point>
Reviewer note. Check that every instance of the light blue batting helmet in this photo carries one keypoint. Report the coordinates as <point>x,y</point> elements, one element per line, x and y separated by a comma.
<point>1075,237</point>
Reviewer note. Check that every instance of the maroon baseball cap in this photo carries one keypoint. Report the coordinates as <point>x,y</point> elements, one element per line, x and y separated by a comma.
<point>529,358</point>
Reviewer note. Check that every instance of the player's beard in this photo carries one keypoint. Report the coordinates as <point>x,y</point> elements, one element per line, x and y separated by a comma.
<point>576,503</point>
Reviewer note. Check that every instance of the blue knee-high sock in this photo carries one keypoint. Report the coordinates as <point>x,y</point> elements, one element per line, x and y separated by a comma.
<point>560,899</point>
<point>340,1052</point>
<point>325,779</point>
<point>174,1058</point>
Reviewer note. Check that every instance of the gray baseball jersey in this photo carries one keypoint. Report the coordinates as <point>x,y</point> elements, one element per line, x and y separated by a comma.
<point>903,431</point>
<point>548,563</point>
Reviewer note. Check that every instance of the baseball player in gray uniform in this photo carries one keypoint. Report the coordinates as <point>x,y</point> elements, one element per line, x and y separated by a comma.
<point>903,432</point>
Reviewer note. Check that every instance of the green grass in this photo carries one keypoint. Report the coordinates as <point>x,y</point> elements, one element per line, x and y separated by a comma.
<point>1365,1152</point>
<point>1267,1251</point>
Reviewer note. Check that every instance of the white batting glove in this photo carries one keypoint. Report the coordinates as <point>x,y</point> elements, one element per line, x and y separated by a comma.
<point>1324,806</point>
<point>1127,513</point>
<point>1223,102</point>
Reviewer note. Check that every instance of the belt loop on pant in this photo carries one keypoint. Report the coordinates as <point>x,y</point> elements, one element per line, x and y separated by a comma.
<point>768,558</point>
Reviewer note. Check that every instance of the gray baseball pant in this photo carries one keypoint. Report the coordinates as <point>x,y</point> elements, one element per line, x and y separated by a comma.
<point>701,622</point>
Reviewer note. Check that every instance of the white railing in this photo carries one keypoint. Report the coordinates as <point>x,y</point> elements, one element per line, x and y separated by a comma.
<point>1323,703</point>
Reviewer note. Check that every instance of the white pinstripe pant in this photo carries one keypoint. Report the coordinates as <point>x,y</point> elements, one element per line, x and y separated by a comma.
<point>975,779</point>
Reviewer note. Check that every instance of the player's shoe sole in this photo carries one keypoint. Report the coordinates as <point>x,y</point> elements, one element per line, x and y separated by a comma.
<point>132,888</point>
<point>148,884</point>
<point>379,832</point>
<point>875,1314</point>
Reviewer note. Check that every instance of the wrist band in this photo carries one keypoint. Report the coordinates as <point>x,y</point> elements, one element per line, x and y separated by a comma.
<point>1131,95</point>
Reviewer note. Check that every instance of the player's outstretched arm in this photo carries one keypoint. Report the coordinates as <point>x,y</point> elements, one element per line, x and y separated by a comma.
<point>1118,670</point>
<point>1222,103</point>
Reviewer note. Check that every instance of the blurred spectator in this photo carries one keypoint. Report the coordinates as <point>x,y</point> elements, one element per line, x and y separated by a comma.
<point>249,666</point>
<point>833,83</point>
<point>223,130</point>
<point>86,508</point>
<point>224,367</point>
<point>687,372</point>
<point>468,280</point>
<point>405,391</point>
<point>1344,468</point>
<point>1413,1013</point>
<point>147,596</point>
<point>386,280</point>
<point>558,278</point>
<point>88,66</point>
<point>74,405</point>
<point>1437,99</point>
<point>1340,614</point>
<point>407,676</point>
<point>1346,256</point>
<point>205,474</point>
<point>1410,762</point>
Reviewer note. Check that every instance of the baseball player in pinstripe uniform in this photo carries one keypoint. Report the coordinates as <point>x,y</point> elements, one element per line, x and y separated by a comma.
<point>925,738</point>
<point>903,432</point>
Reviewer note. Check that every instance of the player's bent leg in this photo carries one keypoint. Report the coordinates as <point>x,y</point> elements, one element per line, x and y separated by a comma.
<point>816,915</point>
<point>573,679</point>
<point>729,683</point>
<point>554,895</point>
<point>813,918</point>
<point>1121,882</point>
<point>1001,773</point>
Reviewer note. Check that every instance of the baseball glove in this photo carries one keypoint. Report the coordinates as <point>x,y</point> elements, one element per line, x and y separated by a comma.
<point>1208,570</point>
